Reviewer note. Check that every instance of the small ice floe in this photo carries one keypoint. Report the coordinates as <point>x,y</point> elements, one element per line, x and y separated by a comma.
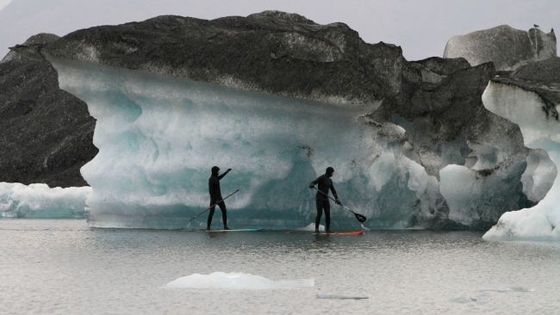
<point>237,281</point>
<point>340,297</point>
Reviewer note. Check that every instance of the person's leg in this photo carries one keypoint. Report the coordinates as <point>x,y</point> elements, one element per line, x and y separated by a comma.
<point>318,204</point>
<point>327,207</point>
<point>224,214</point>
<point>210,215</point>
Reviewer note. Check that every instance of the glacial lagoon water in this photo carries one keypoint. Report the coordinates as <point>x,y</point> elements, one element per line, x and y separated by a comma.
<point>64,267</point>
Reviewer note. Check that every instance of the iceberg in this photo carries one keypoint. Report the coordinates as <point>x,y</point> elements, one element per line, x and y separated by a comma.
<point>540,131</point>
<point>311,96</point>
<point>236,281</point>
<point>506,47</point>
<point>159,136</point>
<point>40,201</point>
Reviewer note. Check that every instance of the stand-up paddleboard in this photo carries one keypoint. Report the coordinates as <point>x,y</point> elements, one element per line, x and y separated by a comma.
<point>348,233</point>
<point>233,230</point>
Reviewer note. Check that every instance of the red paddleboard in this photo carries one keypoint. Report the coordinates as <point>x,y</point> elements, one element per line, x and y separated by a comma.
<point>349,233</point>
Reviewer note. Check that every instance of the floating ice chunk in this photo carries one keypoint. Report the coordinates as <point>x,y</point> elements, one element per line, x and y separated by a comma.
<point>40,201</point>
<point>236,281</point>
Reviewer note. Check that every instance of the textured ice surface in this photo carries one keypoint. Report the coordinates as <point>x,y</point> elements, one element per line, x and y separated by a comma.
<point>158,138</point>
<point>237,280</point>
<point>40,201</point>
<point>474,196</point>
<point>539,131</point>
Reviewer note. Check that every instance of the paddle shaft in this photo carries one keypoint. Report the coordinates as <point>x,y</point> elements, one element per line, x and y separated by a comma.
<point>343,206</point>
<point>213,205</point>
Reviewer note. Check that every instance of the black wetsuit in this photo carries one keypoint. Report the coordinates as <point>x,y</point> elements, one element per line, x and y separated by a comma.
<point>216,199</point>
<point>324,183</point>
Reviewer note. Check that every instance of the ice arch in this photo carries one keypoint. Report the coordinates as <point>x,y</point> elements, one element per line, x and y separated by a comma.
<point>542,131</point>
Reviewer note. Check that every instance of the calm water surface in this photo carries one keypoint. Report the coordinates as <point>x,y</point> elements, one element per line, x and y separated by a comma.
<point>62,266</point>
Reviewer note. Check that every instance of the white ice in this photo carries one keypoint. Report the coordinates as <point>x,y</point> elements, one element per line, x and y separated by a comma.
<point>525,108</point>
<point>236,281</point>
<point>41,201</point>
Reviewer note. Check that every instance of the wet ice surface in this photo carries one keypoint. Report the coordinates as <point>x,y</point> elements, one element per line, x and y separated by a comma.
<point>53,266</point>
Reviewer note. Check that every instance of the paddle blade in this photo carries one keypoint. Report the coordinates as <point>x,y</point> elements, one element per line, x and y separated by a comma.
<point>360,217</point>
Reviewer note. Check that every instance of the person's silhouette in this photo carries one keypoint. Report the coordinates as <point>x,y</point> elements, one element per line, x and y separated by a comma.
<point>324,183</point>
<point>216,196</point>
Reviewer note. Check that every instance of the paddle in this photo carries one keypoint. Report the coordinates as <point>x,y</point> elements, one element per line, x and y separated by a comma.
<point>358,216</point>
<point>213,205</point>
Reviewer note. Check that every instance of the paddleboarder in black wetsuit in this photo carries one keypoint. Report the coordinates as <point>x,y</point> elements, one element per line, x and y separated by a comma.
<point>216,196</point>
<point>324,183</point>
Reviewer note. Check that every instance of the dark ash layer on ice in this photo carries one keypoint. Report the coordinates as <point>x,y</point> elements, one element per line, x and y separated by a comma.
<point>541,77</point>
<point>436,101</point>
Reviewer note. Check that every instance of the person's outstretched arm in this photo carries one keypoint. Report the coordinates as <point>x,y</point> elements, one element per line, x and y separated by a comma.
<point>224,174</point>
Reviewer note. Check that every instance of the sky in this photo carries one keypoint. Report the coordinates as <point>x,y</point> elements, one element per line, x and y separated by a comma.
<point>4,3</point>
<point>420,27</point>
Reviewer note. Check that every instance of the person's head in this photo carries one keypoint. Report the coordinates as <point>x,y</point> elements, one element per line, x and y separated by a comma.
<point>215,170</point>
<point>329,172</point>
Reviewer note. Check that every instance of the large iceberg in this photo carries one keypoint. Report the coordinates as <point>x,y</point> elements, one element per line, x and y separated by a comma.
<point>158,137</point>
<point>538,120</point>
<point>405,137</point>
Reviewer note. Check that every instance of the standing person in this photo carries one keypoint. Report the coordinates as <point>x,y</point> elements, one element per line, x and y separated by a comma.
<point>324,183</point>
<point>216,196</point>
